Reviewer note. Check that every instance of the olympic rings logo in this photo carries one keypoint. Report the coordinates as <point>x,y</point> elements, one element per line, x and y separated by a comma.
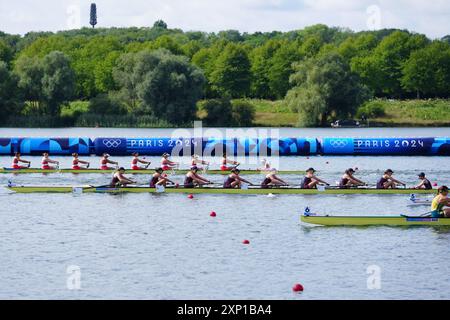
<point>112,143</point>
<point>338,143</point>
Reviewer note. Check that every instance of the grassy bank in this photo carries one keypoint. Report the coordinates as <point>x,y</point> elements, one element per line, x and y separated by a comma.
<point>383,113</point>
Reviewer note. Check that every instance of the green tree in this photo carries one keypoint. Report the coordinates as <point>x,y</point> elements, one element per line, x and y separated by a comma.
<point>58,81</point>
<point>104,104</point>
<point>243,113</point>
<point>427,71</point>
<point>281,68</point>
<point>382,71</point>
<point>219,112</point>
<point>163,85</point>
<point>232,75</point>
<point>260,59</point>
<point>160,24</point>
<point>10,97</point>
<point>324,89</point>
<point>30,74</point>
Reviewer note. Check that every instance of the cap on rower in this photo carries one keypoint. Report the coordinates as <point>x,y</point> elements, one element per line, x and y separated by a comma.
<point>159,170</point>
<point>389,171</point>
<point>443,189</point>
<point>122,169</point>
<point>350,170</point>
<point>422,175</point>
<point>311,170</point>
<point>106,155</point>
<point>235,170</point>
<point>194,168</point>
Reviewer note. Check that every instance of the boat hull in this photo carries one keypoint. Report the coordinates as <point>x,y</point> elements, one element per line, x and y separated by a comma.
<point>207,190</point>
<point>374,221</point>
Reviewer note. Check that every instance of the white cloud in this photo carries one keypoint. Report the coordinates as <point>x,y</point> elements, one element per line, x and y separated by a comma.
<point>431,18</point>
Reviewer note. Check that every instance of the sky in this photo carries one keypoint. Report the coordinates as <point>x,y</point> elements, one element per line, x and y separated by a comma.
<point>423,16</point>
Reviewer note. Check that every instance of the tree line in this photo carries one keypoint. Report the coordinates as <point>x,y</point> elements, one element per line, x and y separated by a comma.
<point>321,72</point>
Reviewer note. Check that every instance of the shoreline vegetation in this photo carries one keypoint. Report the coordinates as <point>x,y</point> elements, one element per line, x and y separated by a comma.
<point>157,77</point>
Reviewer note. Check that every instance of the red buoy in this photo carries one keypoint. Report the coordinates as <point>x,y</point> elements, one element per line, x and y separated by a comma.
<point>212,214</point>
<point>245,242</point>
<point>190,196</point>
<point>297,287</point>
<point>435,184</point>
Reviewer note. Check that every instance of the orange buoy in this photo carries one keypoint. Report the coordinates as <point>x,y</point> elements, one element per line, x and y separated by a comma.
<point>297,287</point>
<point>190,196</point>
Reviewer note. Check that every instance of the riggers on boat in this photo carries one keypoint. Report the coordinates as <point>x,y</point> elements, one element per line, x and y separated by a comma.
<point>402,220</point>
<point>141,171</point>
<point>208,190</point>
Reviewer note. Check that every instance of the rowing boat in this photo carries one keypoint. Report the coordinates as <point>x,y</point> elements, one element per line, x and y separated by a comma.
<point>374,221</point>
<point>403,220</point>
<point>143,171</point>
<point>208,190</point>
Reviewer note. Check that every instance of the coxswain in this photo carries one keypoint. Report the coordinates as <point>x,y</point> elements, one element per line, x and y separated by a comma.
<point>439,202</point>
<point>46,162</point>
<point>424,182</point>
<point>17,160</point>
<point>196,161</point>
<point>387,181</point>
<point>159,178</point>
<point>310,181</point>
<point>76,163</point>
<point>119,180</point>
<point>234,180</point>
<point>225,162</point>
<point>272,180</point>
<point>136,160</point>
<point>193,179</point>
<point>167,164</point>
<point>349,180</point>
<point>105,161</point>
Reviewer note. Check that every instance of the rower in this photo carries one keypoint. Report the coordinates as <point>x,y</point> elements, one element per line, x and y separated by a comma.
<point>225,162</point>
<point>17,160</point>
<point>105,161</point>
<point>310,181</point>
<point>424,183</point>
<point>272,180</point>
<point>439,202</point>
<point>196,161</point>
<point>46,160</point>
<point>119,180</point>
<point>136,160</point>
<point>159,178</point>
<point>348,180</point>
<point>234,180</point>
<point>76,163</point>
<point>167,164</point>
<point>193,179</point>
<point>387,181</point>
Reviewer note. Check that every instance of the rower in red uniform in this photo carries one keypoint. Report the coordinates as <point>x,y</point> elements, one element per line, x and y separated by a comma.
<point>17,160</point>
<point>234,180</point>
<point>166,164</point>
<point>135,162</point>
<point>349,180</point>
<point>193,179</point>
<point>119,179</point>
<point>387,181</point>
<point>310,181</point>
<point>272,180</point>
<point>45,163</point>
<point>76,163</point>
<point>196,161</point>
<point>105,161</point>
<point>225,162</point>
<point>159,178</point>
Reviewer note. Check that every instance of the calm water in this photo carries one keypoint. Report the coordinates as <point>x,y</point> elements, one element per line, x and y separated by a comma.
<point>147,246</point>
